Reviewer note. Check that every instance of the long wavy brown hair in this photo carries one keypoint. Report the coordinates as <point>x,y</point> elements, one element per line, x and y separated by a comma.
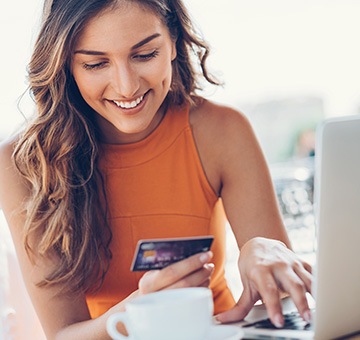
<point>57,153</point>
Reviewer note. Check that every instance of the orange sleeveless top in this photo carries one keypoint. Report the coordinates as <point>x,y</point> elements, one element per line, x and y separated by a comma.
<point>157,188</point>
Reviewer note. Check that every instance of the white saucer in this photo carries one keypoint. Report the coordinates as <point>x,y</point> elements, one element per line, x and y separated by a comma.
<point>224,332</point>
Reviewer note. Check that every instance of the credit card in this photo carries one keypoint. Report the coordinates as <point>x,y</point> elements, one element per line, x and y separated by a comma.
<point>158,253</point>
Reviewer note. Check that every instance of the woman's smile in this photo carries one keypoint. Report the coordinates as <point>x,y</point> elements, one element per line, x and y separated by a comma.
<point>129,104</point>
<point>130,107</point>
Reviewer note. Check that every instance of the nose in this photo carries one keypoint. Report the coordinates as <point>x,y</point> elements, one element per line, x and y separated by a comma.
<point>125,80</point>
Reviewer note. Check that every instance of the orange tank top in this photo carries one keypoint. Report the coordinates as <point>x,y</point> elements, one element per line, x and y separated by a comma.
<point>157,188</point>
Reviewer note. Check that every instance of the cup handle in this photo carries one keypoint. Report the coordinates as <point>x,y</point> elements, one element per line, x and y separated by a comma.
<point>111,326</point>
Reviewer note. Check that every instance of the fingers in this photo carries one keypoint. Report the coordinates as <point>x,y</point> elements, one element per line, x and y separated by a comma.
<point>181,269</point>
<point>307,266</point>
<point>295,280</point>
<point>261,280</point>
<point>292,278</point>
<point>303,271</point>
<point>193,271</point>
<point>265,283</point>
<point>268,269</point>
<point>199,278</point>
<point>297,283</point>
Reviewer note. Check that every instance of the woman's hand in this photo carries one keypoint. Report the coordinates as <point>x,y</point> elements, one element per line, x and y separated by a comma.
<point>194,271</point>
<point>268,268</point>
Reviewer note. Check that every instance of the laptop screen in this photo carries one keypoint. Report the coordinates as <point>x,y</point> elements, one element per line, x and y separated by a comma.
<point>337,211</point>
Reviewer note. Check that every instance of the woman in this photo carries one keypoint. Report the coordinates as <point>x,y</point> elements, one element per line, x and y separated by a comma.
<point>123,148</point>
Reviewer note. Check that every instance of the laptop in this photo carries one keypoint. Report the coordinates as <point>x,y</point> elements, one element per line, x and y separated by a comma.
<point>336,288</point>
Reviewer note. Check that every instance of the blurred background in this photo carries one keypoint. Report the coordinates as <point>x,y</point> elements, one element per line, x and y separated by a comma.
<point>286,64</point>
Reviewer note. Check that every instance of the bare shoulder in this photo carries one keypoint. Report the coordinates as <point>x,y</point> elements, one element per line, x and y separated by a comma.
<point>218,118</point>
<point>224,139</point>
<point>223,127</point>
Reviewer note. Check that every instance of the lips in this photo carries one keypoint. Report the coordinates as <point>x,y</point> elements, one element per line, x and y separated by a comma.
<point>129,104</point>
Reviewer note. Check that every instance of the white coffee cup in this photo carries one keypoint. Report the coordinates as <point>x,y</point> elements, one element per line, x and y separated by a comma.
<point>176,314</point>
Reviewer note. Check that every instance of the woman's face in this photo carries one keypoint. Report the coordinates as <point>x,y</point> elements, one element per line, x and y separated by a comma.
<point>122,66</point>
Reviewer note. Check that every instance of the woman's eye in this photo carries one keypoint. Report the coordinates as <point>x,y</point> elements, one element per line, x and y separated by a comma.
<point>148,56</point>
<point>94,66</point>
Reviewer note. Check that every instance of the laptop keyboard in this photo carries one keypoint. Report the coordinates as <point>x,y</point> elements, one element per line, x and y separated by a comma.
<point>292,321</point>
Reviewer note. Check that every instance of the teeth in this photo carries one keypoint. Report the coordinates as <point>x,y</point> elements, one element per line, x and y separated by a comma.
<point>129,105</point>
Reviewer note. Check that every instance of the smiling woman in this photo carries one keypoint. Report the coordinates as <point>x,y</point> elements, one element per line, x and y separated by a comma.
<point>92,96</point>
<point>122,146</point>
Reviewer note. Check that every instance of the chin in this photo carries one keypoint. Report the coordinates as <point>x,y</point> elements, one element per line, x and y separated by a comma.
<point>132,130</point>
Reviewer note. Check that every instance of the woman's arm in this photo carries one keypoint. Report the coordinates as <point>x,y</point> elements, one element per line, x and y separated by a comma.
<point>67,316</point>
<point>237,170</point>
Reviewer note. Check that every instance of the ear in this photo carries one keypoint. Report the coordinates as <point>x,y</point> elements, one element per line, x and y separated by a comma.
<point>173,51</point>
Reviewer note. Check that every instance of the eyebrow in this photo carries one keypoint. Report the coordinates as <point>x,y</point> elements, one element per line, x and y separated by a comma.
<point>139,44</point>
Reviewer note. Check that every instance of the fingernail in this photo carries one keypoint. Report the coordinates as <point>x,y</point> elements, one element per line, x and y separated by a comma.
<point>209,266</point>
<point>307,316</point>
<point>278,321</point>
<point>206,256</point>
